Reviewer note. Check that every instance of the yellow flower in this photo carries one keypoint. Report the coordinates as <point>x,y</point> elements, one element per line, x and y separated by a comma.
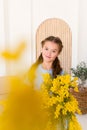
<point>23,108</point>
<point>74,124</point>
<point>15,55</point>
<point>58,109</point>
<point>58,99</point>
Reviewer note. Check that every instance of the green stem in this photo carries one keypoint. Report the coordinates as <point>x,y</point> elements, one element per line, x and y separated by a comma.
<point>62,123</point>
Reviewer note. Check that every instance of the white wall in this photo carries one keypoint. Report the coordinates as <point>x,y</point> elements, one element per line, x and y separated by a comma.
<point>22,18</point>
<point>82,31</point>
<point>16,17</point>
<point>19,19</point>
<point>2,38</point>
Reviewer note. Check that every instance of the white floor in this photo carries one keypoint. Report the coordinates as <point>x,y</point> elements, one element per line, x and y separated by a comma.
<point>83,121</point>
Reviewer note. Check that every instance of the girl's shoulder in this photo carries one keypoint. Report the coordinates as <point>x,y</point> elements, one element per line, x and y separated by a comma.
<point>62,72</point>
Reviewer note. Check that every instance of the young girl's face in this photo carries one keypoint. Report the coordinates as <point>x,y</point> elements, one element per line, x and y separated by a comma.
<point>50,51</point>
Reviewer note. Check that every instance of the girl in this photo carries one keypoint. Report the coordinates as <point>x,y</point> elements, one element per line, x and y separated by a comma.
<point>47,62</point>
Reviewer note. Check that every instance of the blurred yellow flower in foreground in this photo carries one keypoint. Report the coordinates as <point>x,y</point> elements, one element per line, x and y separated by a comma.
<point>8,55</point>
<point>23,108</point>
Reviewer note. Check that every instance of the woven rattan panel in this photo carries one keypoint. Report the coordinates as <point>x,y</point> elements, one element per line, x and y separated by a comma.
<point>81,97</point>
<point>56,27</point>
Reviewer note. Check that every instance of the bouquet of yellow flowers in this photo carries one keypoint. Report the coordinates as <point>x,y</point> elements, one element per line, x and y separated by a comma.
<point>60,103</point>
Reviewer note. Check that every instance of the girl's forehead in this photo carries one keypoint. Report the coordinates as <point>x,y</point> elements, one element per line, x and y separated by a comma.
<point>51,44</point>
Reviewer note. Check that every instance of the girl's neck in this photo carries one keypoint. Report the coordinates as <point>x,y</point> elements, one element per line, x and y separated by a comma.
<point>47,65</point>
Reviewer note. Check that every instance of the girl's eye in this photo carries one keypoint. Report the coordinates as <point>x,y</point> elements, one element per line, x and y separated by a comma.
<point>46,48</point>
<point>54,51</point>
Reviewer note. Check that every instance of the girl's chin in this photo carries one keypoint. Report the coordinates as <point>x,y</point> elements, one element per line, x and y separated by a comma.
<point>47,60</point>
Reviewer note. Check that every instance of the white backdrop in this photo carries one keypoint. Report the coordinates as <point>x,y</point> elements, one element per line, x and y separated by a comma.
<point>21,18</point>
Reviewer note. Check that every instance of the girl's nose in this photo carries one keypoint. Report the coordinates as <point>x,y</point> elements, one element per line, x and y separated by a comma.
<point>49,53</point>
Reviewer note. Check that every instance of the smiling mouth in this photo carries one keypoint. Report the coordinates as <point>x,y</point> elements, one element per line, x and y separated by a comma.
<point>48,57</point>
